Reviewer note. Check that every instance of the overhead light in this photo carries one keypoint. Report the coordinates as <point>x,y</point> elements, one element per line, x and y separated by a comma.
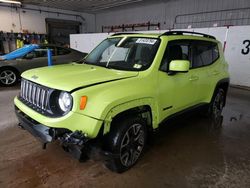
<point>12,2</point>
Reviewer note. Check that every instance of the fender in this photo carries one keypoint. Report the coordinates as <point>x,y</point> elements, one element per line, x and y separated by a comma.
<point>223,82</point>
<point>129,105</point>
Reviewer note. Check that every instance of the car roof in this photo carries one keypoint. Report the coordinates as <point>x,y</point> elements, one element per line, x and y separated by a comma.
<point>170,34</point>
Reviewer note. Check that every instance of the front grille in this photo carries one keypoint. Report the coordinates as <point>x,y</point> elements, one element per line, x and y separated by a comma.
<point>35,95</point>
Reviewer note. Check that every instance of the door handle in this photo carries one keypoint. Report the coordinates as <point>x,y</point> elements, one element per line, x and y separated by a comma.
<point>193,78</point>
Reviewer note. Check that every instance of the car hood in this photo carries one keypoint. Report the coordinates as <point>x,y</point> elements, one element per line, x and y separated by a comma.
<point>73,76</point>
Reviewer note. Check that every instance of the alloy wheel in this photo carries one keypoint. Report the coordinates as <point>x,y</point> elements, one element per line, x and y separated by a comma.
<point>218,105</point>
<point>7,77</point>
<point>132,145</point>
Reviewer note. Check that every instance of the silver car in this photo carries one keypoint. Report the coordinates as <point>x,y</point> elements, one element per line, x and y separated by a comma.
<point>10,70</point>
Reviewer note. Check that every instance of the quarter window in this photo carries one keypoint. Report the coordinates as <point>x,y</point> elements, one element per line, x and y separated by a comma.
<point>204,53</point>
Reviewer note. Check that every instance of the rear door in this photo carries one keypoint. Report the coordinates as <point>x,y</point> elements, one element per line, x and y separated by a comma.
<point>204,55</point>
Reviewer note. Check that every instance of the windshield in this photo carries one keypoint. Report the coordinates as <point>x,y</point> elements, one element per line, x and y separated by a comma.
<point>128,53</point>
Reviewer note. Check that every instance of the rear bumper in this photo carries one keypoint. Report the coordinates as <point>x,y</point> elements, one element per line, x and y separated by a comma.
<point>39,131</point>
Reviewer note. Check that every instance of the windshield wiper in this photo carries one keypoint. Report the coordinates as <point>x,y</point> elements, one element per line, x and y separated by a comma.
<point>95,64</point>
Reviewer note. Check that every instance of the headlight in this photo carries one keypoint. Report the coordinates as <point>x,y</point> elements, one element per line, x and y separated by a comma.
<point>65,101</point>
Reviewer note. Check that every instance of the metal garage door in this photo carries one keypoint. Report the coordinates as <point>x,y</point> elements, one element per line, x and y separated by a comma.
<point>59,30</point>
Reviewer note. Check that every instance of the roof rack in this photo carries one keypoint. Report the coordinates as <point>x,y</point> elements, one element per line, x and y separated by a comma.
<point>124,34</point>
<point>188,32</point>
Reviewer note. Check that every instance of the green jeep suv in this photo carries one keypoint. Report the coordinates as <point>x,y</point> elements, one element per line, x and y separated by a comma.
<point>123,90</point>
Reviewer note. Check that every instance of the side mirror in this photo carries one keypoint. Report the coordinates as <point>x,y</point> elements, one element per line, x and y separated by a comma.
<point>179,66</point>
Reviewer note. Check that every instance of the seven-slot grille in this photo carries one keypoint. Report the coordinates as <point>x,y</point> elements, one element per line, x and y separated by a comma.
<point>35,95</point>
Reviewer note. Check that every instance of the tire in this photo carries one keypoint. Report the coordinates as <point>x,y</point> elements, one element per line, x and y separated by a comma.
<point>126,143</point>
<point>216,106</point>
<point>8,77</point>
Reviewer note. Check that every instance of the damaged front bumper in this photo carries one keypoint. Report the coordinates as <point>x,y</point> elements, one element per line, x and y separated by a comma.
<point>47,134</point>
<point>77,133</point>
<point>72,121</point>
<point>73,142</point>
<point>39,131</point>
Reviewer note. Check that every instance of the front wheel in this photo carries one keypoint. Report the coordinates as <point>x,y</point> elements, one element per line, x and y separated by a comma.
<point>8,77</point>
<point>126,142</point>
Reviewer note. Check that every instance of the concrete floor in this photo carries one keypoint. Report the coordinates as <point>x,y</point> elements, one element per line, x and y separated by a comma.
<point>186,153</point>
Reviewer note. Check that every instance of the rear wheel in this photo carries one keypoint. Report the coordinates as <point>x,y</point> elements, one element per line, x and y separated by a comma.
<point>126,142</point>
<point>216,106</point>
<point>8,77</point>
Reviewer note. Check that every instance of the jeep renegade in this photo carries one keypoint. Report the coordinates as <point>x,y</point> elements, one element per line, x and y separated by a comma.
<point>122,90</point>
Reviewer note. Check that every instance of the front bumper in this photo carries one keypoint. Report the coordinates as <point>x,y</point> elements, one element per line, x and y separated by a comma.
<point>72,121</point>
<point>39,131</point>
<point>44,134</point>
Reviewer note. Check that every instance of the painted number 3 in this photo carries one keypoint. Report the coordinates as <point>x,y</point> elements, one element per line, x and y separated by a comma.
<point>246,50</point>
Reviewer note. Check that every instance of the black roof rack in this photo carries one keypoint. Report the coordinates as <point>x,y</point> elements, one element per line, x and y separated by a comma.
<point>124,34</point>
<point>188,32</point>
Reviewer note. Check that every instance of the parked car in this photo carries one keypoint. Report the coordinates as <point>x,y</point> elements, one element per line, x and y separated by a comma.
<point>33,56</point>
<point>124,89</point>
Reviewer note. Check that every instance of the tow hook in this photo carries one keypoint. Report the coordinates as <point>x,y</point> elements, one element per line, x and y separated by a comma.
<point>20,126</point>
<point>74,138</point>
<point>74,143</point>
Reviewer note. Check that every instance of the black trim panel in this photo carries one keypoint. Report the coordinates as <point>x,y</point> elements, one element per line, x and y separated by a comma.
<point>41,132</point>
<point>219,83</point>
<point>187,110</point>
<point>223,81</point>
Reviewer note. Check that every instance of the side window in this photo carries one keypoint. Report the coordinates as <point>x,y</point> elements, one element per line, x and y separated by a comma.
<point>36,53</point>
<point>62,51</point>
<point>204,53</point>
<point>176,50</point>
<point>42,51</point>
<point>52,48</point>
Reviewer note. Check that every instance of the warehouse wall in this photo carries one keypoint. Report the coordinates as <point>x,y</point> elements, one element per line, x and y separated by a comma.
<point>166,12</point>
<point>13,19</point>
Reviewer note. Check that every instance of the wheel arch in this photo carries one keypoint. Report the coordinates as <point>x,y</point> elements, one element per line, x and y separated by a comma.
<point>16,72</point>
<point>11,68</point>
<point>223,84</point>
<point>143,107</point>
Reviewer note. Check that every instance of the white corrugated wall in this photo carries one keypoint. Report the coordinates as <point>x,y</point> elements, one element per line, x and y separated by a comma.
<point>170,14</point>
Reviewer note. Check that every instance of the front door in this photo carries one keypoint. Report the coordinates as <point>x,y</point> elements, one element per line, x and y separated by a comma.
<point>176,91</point>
